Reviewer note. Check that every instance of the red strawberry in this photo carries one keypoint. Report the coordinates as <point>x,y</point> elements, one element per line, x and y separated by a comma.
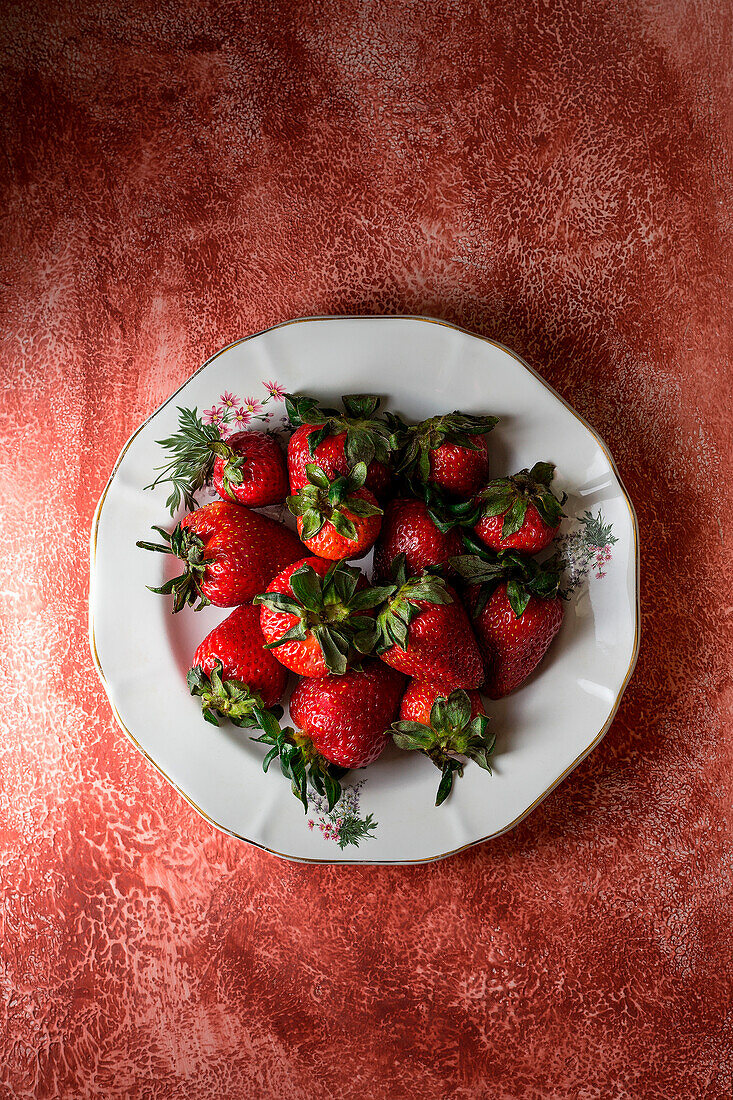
<point>424,631</point>
<point>230,554</point>
<point>420,696</point>
<point>344,723</point>
<point>336,518</point>
<point>448,452</point>
<point>513,645</point>
<point>249,467</point>
<point>317,616</point>
<point>408,529</point>
<point>337,441</point>
<point>232,672</point>
<point>443,727</point>
<point>520,512</point>
<point>347,717</point>
<point>516,612</point>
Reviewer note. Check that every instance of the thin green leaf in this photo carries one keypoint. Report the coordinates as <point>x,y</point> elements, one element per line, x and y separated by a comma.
<point>317,476</point>
<point>335,660</point>
<point>278,601</point>
<point>518,596</point>
<point>446,783</point>
<point>332,790</point>
<point>311,523</point>
<point>542,472</point>
<point>514,517</point>
<point>343,525</point>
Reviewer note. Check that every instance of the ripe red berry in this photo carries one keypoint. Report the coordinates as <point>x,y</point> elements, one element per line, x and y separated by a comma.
<point>337,517</point>
<point>520,512</point>
<point>251,470</point>
<point>408,529</point>
<point>230,554</point>
<point>347,717</point>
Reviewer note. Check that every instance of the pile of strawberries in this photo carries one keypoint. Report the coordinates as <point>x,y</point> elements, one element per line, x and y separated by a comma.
<point>458,601</point>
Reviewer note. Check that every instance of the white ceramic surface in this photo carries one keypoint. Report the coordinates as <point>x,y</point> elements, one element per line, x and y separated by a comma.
<point>421,367</point>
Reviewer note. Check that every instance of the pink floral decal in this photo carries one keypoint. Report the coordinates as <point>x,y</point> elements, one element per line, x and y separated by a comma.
<point>214,415</point>
<point>586,550</point>
<point>241,417</point>
<point>252,405</point>
<point>343,824</point>
<point>275,390</point>
<point>235,413</point>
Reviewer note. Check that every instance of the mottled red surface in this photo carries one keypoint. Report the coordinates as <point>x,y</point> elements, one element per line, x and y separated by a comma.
<point>176,175</point>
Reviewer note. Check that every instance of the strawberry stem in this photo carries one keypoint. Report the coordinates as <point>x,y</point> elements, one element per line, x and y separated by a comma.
<point>301,764</point>
<point>186,588</point>
<point>451,732</point>
<point>232,699</point>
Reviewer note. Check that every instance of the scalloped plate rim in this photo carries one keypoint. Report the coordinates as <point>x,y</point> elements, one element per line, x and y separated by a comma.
<point>567,771</point>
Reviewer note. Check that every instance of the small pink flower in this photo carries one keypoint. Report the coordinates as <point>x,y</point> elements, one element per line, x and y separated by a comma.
<point>214,415</point>
<point>310,824</point>
<point>252,405</point>
<point>275,390</point>
<point>228,400</point>
<point>600,574</point>
<point>241,417</point>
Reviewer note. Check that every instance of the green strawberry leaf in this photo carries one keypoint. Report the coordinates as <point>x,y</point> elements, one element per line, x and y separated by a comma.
<point>518,596</point>
<point>361,406</point>
<point>514,518</point>
<point>450,767</point>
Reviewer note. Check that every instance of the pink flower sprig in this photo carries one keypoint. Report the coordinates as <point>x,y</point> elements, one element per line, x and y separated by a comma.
<point>275,390</point>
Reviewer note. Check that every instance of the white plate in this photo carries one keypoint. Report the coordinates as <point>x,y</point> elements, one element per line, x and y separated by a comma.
<point>142,652</point>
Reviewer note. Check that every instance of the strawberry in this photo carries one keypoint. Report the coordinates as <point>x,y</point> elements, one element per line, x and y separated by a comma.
<point>337,441</point>
<point>420,695</point>
<point>442,728</point>
<point>249,467</point>
<point>516,610</point>
<point>520,512</point>
<point>336,518</point>
<point>317,616</point>
<point>230,554</point>
<point>347,717</point>
<point>343,723</point>
<point>407,528</point>
<point>424,631</point>
<point>447,452</point>
<point>232,672</point>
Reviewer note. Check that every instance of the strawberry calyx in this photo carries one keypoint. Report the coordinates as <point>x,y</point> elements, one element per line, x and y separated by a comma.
<point>186,545</point>
<point>445,513</point>
<point>368,436</point>
<point>511,496</point>
<point>525,577</point>
<point>302,764</point>
<point>230,698</point>
<point>402,604</point>
<point>332,610</point>
<point>416,441</point>
<point>451,732</point>
<point>193,449</point>
<point>324,500</point>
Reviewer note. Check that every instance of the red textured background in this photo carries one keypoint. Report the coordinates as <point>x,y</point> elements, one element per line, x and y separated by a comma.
<point>556,175</point>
